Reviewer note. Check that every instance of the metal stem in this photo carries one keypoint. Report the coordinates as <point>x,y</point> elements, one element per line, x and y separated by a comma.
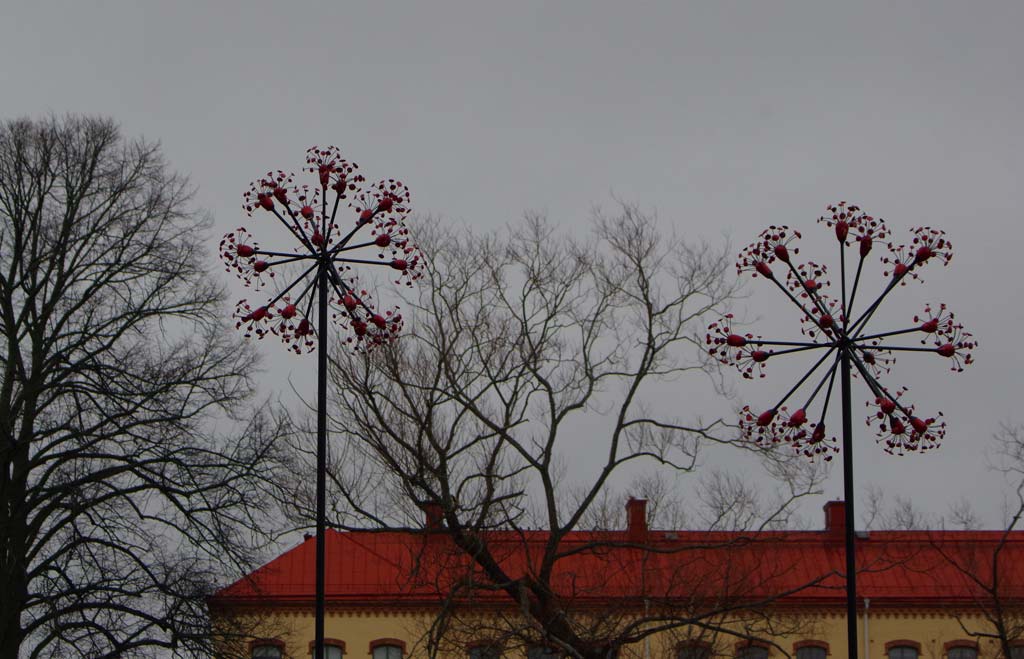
<point>807,344</point>
<point>851,558</point>
<point>321,459</point>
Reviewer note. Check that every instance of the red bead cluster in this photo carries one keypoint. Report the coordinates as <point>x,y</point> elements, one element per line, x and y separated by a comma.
<point>899,430</point>
<point>773,245</point>
<point>850,219</point>
<point>738,350</point>
<point>826,324</point>
<point>781,426</point>
<point>238,250</point>
<point>310,212</point>
<point>905,261</point>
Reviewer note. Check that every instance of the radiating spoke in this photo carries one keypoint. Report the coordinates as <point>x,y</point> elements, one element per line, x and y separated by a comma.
<point>292,255</point>
<point>804,378</point>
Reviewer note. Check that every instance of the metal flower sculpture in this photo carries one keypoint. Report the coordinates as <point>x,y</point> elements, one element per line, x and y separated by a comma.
<point>327,249</point>
<point>840,331</point>
<point>319,270</point>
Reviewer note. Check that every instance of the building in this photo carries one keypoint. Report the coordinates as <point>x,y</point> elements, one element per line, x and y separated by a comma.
<point>923,594</point>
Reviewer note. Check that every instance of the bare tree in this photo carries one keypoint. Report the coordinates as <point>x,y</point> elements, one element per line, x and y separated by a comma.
<point>529,351</point>
<point>988,569</point>
<point>981,566</point>
<point>120,506</point>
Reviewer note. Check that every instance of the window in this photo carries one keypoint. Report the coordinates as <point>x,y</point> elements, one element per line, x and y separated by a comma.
<point>387,652</point>
<point>694,652</point>
<point>484,651</point>
<point>1017,652</point>
<point>752,652</point>
<point>266,651</point>
<point>811,652</point>
<point>962,652</point>
<point>538,651</point>
<point>333,648</point>
<point>902,652</point>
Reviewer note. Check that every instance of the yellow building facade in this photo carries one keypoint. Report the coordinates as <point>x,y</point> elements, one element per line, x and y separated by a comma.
<point>922,595</point>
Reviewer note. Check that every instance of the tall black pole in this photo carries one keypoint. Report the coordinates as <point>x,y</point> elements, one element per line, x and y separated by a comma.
<point>851,557</point>
<point>321,458</point>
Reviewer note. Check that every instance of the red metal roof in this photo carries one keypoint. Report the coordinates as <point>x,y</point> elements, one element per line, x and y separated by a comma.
<point>415,568</point>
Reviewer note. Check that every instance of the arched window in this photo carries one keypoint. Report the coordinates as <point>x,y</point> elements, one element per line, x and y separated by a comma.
<point>387,648</point>
<point>266,649</point>
<point>484,651</point>
<point>902,650</point>
<point>752,652</point>
<point>333,648</point>
<point>962,653</point>
<point>811,650</point>
<point>693,651</point>
<point>1017,652</point>
<point>961,649</point>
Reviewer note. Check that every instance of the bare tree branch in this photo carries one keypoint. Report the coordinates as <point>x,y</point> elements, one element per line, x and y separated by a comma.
<point>525,351</point>
<point>121,508</point>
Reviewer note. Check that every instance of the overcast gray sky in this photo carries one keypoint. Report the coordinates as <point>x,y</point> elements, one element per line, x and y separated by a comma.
<point>722,117</point>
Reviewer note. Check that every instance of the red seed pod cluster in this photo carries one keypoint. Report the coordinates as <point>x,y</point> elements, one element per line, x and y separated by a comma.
<point>928,245</point>
<point>773,245</point>
<point>957,345</point>
<point>368,327</point>
<point>408,265</point>
<point>384,198</point>
<point>334,172</point>
<point>936,322</point>
<point>871,351</point>
<point>308,213</point>
<point>841,219</point>
<point>268,193</point>
<point>807,279</point>
<point>240,253</point>
<point>253,321</point>
<point>931,244</point>
<point>877,361</point>
<point>850,222</point>
<point>733,349</point>
<point>899,430</point>
<point>823,317</point>
<point>292,327</point>
<point>773,428</point>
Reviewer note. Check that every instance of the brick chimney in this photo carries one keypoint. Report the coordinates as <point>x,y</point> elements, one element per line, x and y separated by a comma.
<point>835,517</point>
<point>636,519</point>
<point>434,515</point>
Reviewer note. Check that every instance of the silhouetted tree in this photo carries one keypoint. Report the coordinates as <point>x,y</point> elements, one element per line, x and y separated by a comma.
<point>524,350</point>
<point>120,504</point>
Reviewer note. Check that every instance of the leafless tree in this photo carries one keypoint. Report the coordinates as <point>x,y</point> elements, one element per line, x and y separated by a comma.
<point>120,505</point>
<point>528,352</point>
<point>989,570</point>
<point>983,567</point>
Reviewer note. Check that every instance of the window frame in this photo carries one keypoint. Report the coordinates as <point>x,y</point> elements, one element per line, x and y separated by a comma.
<point>902,643</point>
<point>802,645</point>
<point>387,642</point>
<point>266,642</point>
<point>744,647</point>
<point>701,646</point>
<point>960,644</point>
<point>335,642</point>
<point>477,646</point>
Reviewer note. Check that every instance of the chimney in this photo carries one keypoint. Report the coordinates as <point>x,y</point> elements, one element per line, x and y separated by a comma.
<point>636,519</point>
<point>835,517</point>
<point>434,515</point>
